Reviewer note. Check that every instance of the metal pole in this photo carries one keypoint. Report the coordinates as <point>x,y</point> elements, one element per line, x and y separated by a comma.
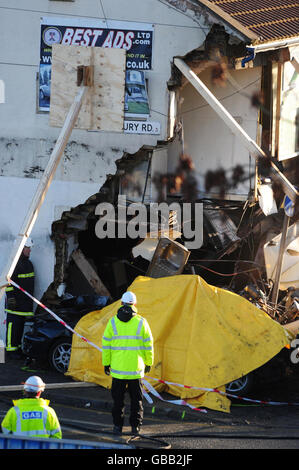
<point>147,175</point>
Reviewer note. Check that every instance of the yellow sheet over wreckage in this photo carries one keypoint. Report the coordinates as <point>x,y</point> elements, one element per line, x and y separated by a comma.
<point>204,336</point>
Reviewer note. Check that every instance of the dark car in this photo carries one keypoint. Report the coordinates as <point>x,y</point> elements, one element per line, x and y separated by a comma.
<point>44,91</point>
<point>272,371</point>
<point>48,341</point>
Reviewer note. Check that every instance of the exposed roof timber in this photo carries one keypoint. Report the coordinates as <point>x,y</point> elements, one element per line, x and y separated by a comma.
<point>229,20</point>
<point>268,20</point>
<point>213,14</point>
<point>249,143</point>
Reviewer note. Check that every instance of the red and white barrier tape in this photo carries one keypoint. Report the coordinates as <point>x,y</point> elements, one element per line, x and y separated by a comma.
<point>216,390</point>
<point>172,402</point>
<point>148,386</point>
<point>54,315</point>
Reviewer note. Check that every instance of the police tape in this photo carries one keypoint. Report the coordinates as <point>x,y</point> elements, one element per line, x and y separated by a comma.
<point>148,386</point>
<point>172,402</point>
<point>54,315</point>
<point>216,390</point>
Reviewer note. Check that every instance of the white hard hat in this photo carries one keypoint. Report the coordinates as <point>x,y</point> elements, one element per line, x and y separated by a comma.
<point>29,242</point>
<point>34,384</point>
<point>129,298</point>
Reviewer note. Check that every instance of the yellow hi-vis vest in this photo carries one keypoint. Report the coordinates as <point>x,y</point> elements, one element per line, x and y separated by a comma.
<point>32,417</point>
<point>127,347</point>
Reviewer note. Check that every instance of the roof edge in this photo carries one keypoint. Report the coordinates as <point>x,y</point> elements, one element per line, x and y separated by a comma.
<point>228,19</point>
<point>276,44</point>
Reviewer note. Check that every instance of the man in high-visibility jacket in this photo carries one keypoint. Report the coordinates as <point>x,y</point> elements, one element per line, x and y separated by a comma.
<point>19,306</point>
<point>127,353</point>
<point>32,416</point>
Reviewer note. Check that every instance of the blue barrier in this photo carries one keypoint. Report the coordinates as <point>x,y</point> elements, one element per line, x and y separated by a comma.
<point>8,441</point>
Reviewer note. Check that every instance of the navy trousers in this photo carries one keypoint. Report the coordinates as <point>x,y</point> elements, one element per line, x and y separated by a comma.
<point>14,331</point>
<point>118,391</point>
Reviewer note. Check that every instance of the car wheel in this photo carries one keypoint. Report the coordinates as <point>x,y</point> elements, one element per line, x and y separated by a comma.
<point>241,386</point>
<point>60,354</point>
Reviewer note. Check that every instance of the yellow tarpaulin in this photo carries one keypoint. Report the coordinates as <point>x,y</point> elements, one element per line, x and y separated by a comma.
<point>204,336</point>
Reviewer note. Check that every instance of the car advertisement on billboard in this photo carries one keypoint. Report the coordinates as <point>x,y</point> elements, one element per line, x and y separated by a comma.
<point>136,99</point>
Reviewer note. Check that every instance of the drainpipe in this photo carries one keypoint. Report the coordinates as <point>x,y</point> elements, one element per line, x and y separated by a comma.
<point>249,57</point>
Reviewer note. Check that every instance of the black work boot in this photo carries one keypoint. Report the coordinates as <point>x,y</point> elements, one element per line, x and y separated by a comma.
<point>135,430</point>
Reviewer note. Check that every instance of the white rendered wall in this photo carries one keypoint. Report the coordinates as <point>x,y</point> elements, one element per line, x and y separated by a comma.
<point>207,139</point>
<point>26,140</point>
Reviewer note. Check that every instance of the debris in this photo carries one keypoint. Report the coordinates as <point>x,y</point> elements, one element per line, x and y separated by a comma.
<point>221,229</point>
<point>169,259</point>
<point>90,273</point>
<point>266,199</point>
<point>290,265</point>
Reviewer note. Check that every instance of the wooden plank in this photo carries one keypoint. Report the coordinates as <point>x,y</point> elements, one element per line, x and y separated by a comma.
<point>109,91</point>
<point>65,61</point>
<point>42,188</point>
<point>90,274</point>
<point>103,106</point>
<point>217,10</point>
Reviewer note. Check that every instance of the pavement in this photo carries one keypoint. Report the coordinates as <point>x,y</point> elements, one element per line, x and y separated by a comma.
<point>244,422</point>
<point>64,390</point>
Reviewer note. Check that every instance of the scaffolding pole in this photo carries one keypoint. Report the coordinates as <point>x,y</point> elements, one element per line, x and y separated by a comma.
<point>42,188</point>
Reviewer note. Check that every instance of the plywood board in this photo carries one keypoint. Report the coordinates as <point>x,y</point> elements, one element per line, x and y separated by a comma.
<point>103,105</point>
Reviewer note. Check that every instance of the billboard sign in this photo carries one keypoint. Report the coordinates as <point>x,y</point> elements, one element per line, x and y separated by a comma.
<point>135,38</point>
